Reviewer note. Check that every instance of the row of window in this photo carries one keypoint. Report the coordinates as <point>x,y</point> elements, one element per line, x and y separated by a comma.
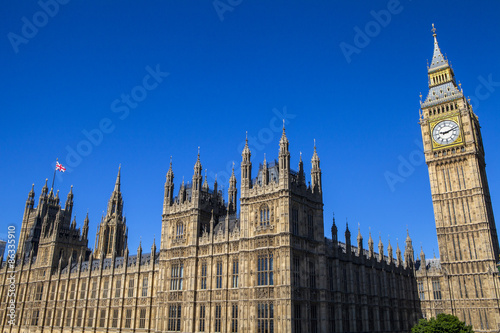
<point>265,317</point>
<point>35,292</point>
<point>265,273</point>
<point>297,322</point>
<point>436,290</point>
<point>264,220</point>
<point>297,275</point>
<point>34,318</point>
<point>295,223</point>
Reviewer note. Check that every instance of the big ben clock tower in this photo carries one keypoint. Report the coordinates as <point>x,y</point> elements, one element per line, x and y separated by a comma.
<point>467,236</point>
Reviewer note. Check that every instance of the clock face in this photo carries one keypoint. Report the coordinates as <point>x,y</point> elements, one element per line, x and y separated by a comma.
<point>446,132</point>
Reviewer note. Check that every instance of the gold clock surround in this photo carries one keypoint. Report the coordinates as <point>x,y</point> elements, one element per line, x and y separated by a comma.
<point>455,118</point>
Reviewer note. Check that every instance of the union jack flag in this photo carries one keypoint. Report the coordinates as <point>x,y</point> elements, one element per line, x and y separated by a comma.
<point>59,167</point>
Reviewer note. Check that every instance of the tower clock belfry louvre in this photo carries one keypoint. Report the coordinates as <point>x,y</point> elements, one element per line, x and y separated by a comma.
<point>466,274</point>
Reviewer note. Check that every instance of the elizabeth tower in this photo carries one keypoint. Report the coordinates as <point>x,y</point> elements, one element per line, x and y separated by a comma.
<point>467,236</point>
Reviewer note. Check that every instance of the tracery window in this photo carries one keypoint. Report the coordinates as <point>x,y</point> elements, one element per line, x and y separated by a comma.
<point>118,288</point>
<point>235,274</point>
<point>310,225</point>
<point>218,315</point>
<point>265,270</point>
<point>203,280</point>
<point>218,278</point>
<point>264,215</point>
<point>202,318</point>
<point>131,288</point>
<point>176,276</point>
<point>295,221</point>
<point>234,318</point>
<point>436,288</point>
<point>145,286</point>
<point>421,293</point>
<point>265,318</point>
<point>179,231</point>
<point>174,318</point>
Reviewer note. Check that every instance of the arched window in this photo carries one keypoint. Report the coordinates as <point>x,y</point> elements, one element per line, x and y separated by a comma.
<point>310,225</point>
<point>264,215</point>
<point>179,232</point>
<point>295,221</point>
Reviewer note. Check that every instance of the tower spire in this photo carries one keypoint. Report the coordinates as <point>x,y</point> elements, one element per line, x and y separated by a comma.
<point>315,172</point>
<point>438,60</point>
<point>117,183</point>
<point>442,85</point>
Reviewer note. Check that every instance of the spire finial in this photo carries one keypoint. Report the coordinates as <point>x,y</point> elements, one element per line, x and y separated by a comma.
<point>170,160</point>
<point>117,183</point>
<point>433,30</point>
<point>283,125</point>
<point>233,167</point>
<point>314,144</point>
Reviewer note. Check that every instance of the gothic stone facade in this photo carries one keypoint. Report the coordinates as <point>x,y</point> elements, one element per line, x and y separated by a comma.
<point>267,268</point>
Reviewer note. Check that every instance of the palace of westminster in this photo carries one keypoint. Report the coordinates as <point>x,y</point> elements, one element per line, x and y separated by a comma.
<point>267,268</point>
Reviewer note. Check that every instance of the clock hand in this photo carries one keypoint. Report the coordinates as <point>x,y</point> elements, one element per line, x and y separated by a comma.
<point>451,129</point>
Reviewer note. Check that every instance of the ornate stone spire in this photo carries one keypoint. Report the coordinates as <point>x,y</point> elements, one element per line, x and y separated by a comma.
<point>442,85</point>
<point>408,250</point>
<point>117,183</point>
<point>232,193</point>
<point>360,242</point>
<point>347,238</point>
<point>110,238</point>
<point>197,177</point>
<point>422,257</point>
<point>370,246</point>
<point>85,229</point>
<point>334,231</point>
<point>45,188</point>
<point>169,188</point>
<point>283,140</point>
<point>438,60</point>
<point>398,255</point>
<point>205,182</point>
<point>315,172</point>
<point>246,168</point>
<point>389,252</point>
<point>380,249</point>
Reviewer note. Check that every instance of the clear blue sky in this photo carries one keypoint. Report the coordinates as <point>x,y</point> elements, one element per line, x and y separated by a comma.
<point>230,70</point>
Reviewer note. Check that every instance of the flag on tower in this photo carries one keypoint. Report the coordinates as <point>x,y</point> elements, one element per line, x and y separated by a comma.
<point>59,167</point>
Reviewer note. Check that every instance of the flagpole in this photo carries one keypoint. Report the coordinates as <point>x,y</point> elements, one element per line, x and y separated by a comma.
<point>54,177</point>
